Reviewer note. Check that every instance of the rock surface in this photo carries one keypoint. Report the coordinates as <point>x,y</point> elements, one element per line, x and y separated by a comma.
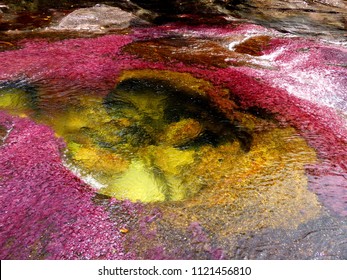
<point>97,18</point>
<point>324,18</point>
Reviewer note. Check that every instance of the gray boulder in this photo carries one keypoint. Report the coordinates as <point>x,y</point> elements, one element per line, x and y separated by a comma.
<point>98,18</point>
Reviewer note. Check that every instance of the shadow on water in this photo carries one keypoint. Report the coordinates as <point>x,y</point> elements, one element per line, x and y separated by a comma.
<point>175,106</point>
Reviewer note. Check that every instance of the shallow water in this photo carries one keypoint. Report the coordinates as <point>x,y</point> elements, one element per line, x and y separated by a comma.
<point>181,153</point>
<point>146,140</point>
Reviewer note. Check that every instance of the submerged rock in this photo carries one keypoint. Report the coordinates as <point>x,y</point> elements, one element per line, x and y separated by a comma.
<point>195,51</point>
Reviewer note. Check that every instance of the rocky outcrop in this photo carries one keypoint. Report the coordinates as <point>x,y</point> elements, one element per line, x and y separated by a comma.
<point>325,18</point>
<point>321,17</point>
<point>98,18</point>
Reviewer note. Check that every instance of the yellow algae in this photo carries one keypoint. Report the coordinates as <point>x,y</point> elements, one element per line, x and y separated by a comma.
<point>137,183</point>
<point>155,176</point>
<point>253,123</point>
<point>69,122</point>
<point>16,102</point>
<point>72,118</point>
<point>169,159</point>
<point>97,160</point>
<point>181,132</point>
<point>11,100</point>
<point>177,190</point>
<point>173,163</point>
<point>149,104</point>
<point>265,187</point>
<point>167,164</point>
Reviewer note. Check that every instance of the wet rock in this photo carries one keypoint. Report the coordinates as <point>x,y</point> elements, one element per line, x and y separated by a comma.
<point>129,6</point>
<point>198,51</point>
<point>98,18</point>
<point>253,46</point>
<point>185,6</point>
<point>320,239</point>
<point>3,133</point>
<point>4,46</point>
<point>3,8</point>
<point>23,20</point>
<point>325,18</point>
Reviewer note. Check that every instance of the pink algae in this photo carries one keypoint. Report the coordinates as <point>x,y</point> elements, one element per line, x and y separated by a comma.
<point>71,62</point>
<point>47,212</point>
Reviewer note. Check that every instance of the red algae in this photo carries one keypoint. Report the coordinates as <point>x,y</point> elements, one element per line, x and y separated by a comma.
<point>70,62</point>
<point>47,212</point>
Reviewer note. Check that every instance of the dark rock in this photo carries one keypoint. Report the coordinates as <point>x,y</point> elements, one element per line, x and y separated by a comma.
<point>253,46</point>
<point>320,239</point>
<point>3,133</point>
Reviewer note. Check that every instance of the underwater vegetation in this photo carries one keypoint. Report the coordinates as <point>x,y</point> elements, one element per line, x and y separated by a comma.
<point>47,224</point>
<point>148,140</point>
<point>151,141</point>
<point>123,138</point>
